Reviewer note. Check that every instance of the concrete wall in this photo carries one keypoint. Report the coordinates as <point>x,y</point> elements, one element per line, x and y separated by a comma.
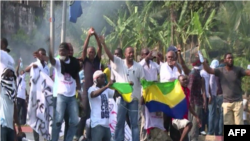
<point>16,16</point>
<point>36,3</point>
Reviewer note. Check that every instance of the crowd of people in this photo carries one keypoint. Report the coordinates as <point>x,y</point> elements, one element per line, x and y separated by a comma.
<point>213,93</point>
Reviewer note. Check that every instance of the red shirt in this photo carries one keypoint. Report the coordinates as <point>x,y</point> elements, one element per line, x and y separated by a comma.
<point>187,93</point>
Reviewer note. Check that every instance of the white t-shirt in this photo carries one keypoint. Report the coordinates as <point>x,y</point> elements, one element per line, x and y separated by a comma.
<point>66,85</point>
<point>100,107</point>
<point>167,74</point>
<point>21,90</point>
<point>151,72</point>
<point>6,61</point>
<point>6,109</point>
<point>244,112</point>
<point>206,77</point>
<point>154,119</point>
<point>124,74</point>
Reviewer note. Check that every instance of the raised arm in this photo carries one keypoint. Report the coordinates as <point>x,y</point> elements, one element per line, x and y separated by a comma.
<point>159,58</point>
<point>109,54</point>
<point>86,43</point>
<point>98,92</point>
<point>51,56</point>
<point>182,62</point>
<point>206,67</point>
<point>99,50</point>
<point>17,68</point>
<point>178,68</point>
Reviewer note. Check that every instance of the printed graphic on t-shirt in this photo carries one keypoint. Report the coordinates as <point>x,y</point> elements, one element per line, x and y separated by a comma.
<point>104,106</point>
<point>159,114</point>
<point>67,77</point>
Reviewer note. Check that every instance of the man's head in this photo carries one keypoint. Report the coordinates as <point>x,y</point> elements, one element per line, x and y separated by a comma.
<point>9,74</point>
<point>22,72</point>
<point>4,44</point>
<point>41,52</point>
<point>170,56</point>
<point>196,62</point>
<point>228,59</point>
<point>99,78</point>
<point>129,54</point>
<point>118,52</point>
<point>71,50</point>
<point>183,80</point>
<point>91,53</point>
<point>174,49</point>
<point>63,51</point>
<point>144,53</point>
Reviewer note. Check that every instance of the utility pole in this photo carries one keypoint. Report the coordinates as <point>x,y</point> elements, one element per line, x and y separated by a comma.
<point>52,30</point>
<point>63,32</point>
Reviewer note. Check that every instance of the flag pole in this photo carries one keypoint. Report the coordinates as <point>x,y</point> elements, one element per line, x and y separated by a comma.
<point>52,30</point>
<point>63,21</point>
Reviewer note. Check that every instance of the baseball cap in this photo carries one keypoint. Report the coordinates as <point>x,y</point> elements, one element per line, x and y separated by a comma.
<point>172,48</point>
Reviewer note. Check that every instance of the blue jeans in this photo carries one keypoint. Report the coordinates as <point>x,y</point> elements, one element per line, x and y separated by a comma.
<point>100,133</point>
<point>69,105</point>
<point>212,116</point>
<point>219,116</point>
<point>132,109</point>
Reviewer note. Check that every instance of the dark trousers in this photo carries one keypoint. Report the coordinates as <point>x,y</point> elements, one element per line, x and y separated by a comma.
<point>204,118</point>
<point>167,122</point>
<point>21,110</point>
<point>7,134</point>
<point>84,116</point>
<point>80,127</point>
<point>175,134</point>
<point>36,135</point>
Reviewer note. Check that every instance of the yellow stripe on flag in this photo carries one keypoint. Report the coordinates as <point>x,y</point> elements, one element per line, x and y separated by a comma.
<point>153,93</point>
<point>127,97</point>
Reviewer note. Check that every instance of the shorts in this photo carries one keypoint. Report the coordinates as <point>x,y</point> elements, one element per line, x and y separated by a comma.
<point>180,123</point>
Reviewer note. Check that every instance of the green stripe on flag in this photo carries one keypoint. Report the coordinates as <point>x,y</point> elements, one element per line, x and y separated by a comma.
<point>165,88</point>
<point>122,88</point>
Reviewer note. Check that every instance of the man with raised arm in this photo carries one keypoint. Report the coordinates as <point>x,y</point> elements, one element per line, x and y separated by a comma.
<point>91,63</point>
<point>230,77</point>
<point>197,92</point>
<point>68,83</point>
<point>151,122</point>
<point>127,71</point>
<point>98,95</point>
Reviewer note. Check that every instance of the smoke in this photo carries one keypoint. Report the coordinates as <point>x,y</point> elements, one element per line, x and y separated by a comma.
<point>24,42</point>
